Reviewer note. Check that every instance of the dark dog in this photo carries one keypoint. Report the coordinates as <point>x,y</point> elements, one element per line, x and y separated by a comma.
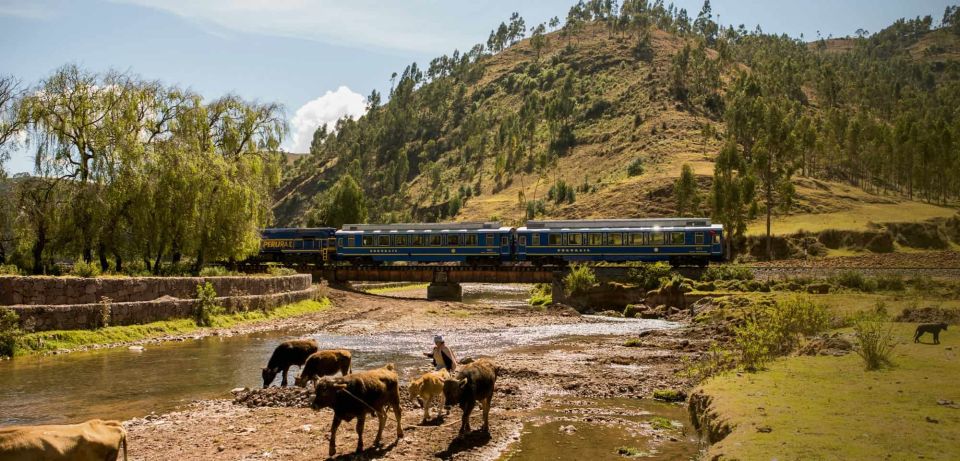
<point>932,328</point>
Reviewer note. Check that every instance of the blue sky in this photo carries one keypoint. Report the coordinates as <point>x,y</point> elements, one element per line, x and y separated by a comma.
<point>319,58</point>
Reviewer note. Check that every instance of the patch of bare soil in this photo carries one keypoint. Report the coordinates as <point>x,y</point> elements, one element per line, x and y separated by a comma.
<point>276,424</point>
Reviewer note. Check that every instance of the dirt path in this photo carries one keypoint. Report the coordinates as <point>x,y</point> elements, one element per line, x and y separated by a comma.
<point>591,367</point>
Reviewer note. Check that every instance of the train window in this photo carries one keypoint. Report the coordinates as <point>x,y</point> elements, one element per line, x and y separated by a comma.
<point>716,239</point>
<point>596,239</point>
<point>535,240</point>
<point>677,238</point>
<point>636,238</point>
<point>470,240</point>
<point>383,240</point>
<point>343,242</point>
<point>490,240</point>
<point>575,239</point>
<point>436,240</point>
<point>615,238</point>
<point>555,239</point>
<point>698,238</point>
<point>416,240</point>
<point>504,240</point>
<point>400,240</point>
<point>656,238</point>
<point>523,239</point>
<point>453,240</point>
<point>368,240</point>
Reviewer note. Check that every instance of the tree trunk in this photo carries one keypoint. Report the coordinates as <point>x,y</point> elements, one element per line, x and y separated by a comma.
<point>118,261</point>
<point>102,253</point>
<point>769,212</point>
<point>38,251</point>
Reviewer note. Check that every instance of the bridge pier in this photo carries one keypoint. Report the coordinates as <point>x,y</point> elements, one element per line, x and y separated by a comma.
<point>445,291</point>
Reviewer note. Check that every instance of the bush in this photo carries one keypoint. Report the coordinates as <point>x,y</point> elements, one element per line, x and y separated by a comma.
<point>85,269</point>
<point>635,168</point>
<point>215,271</point>
<point>873,340</point>
<point>727,272</point>
<point>649,276</point>
<point>9,332</point>
<point>541,294</point>
<point>890,282</point>
<point>580,279</point>
<point>777,330</point>
<point>206,306</point>
<point>855,280</point>
<point>9,269</point>
<point>278,271</point>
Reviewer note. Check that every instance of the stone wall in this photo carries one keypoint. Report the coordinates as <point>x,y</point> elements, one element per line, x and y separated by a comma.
<point>75,290</point>
<point>89,316</point>
<point>72,303</point>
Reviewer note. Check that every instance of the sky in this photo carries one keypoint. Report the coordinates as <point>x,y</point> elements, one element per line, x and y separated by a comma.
<point>320,58</point>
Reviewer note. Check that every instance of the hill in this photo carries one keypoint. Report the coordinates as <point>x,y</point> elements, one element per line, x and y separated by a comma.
<point>598,118</point>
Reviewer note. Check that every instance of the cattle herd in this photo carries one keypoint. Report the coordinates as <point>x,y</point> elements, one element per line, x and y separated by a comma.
<point>372,392</point>
<point>352,395</point>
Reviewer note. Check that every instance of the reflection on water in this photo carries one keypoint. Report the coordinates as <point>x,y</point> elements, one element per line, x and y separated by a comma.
<point>120,384</point>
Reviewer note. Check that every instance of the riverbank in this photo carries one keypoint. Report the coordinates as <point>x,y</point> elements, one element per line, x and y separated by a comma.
<point>533,375</point>
<point>830,407</point>
<point>66,341</point>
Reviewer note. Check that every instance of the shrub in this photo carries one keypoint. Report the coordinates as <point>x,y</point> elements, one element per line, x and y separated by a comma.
<point>85,269</point>
<point>873,341</point>
<point>635,168</point>
<point>105,311</point>
<point>9,269</point>
<point>855,280</point>
<point>649,276</point>
<point>777,330</point>
<point>659,422</point>
<point>714,361</point>
<point>890,282</point>
<point>215,271</point>
<point>580,279</point>
<point>633,342</point>
<point>206,306</point>
<point>278,271</point>
<point>9,332</point>
<point>541,295</point>
<point>727,272</point>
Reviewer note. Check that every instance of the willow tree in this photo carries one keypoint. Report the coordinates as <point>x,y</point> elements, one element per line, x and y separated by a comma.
<point>344,203</point>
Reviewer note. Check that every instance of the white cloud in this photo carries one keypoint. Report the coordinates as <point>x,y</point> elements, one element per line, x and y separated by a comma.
<point>365,23</point>
<point>329,108</point>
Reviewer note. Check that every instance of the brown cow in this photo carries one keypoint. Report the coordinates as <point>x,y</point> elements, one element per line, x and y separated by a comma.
<point>286,355</point>
<point>428,386</point>
<point>94,440</point>
<point>356,395</point>
<point>324,363</point>
<point>474,383</point>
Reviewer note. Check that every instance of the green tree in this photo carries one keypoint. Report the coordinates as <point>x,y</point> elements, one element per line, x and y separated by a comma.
<point>343,204</point>
<point>686,193</point>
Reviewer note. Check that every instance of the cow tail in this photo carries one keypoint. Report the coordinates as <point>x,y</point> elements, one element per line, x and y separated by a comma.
<point>123,444</point>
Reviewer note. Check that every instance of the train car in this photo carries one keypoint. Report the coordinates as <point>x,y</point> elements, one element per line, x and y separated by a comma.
<point>298,245</point>
<point>680,241</point>
<point>478,243</point>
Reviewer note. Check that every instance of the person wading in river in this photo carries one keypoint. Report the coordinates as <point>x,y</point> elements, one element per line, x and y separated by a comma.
<point>442,356</point>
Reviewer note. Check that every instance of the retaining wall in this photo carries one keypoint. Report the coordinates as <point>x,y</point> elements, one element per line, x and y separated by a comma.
<point>75,290</point>
<point>241,294</point>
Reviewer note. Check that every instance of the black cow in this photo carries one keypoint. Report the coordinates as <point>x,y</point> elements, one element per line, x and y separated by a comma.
<point>359,394</point>
<point>286,355</point>
<point>474,383</point>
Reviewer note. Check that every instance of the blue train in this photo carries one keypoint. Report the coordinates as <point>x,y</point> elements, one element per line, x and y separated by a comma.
<point>679,241</point>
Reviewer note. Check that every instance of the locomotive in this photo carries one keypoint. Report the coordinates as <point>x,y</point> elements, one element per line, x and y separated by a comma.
<point>679,241</point>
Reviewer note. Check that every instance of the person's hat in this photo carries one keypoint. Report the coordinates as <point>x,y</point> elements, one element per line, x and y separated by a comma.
<point>438,339</point>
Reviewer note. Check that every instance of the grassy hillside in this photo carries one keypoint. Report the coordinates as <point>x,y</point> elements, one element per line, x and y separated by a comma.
<point>596,107</point>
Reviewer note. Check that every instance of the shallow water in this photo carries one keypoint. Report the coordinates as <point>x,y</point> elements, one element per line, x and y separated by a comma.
<point>120,384</point>
<point>596,430</point>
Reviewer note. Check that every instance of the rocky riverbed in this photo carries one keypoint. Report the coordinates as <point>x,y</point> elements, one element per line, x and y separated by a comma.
<point>534,374</point>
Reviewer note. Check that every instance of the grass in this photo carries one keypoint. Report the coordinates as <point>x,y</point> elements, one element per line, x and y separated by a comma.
<point>855,218</point>
<point>832,408</point>
<point>384,290</point>
<point>69,339</point>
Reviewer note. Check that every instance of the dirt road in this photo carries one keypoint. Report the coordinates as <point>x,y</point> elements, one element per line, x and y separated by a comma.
<point>529,377</point>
